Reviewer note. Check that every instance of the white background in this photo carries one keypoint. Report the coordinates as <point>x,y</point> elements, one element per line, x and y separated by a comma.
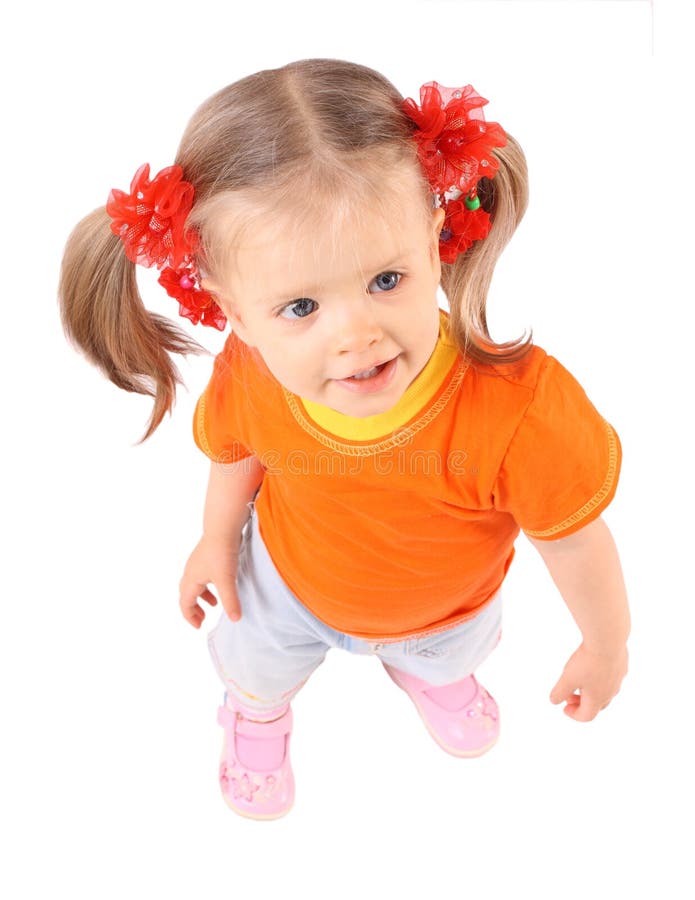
<point>110,748</point>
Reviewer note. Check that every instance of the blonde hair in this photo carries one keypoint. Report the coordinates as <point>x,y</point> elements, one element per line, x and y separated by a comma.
<point>317,139</point>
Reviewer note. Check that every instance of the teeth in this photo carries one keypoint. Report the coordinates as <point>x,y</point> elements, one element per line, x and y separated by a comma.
<point>368,373</point>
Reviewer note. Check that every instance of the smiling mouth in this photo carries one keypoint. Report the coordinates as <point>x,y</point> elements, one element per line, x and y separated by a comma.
<point>369,381</point>
<point>367,373</point>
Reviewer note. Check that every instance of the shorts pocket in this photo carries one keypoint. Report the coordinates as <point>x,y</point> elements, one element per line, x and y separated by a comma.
<point>442,644</point>
<point>463,638</point>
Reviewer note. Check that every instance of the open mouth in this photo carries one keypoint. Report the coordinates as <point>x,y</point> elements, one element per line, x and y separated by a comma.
<point>368,373</point>
<point>373,379</point>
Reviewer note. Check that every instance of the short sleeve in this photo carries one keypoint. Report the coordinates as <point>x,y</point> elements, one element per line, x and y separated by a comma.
<point>561,468</point>
<point>213,439</point>
<point>218,419</point>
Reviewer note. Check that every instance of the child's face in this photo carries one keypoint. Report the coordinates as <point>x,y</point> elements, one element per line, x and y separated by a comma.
<point>318,318</point>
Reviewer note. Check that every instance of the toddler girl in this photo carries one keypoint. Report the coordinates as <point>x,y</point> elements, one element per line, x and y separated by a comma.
<point>374,457</point>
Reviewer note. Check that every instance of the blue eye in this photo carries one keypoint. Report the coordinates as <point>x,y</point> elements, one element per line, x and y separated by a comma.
<point>389,275</point>
<point>300,308</point>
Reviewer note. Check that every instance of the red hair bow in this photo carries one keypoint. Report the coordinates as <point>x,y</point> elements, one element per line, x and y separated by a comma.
<point>150,220</point>
<point>454,146</point>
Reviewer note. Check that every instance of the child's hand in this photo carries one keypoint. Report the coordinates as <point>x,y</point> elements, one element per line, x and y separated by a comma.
<point>596,676</point>
<point>213,560</point>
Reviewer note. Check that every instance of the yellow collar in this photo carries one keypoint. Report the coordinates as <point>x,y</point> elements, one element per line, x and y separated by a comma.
<point>415,398</point>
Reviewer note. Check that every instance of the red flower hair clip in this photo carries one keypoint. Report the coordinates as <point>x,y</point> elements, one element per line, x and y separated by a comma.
<point>150,221</point>
<point>454,146</point>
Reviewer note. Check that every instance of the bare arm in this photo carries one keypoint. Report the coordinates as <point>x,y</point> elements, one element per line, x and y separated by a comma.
<point>230,489</point>
<point>214,559</point>
<point>586,569</point>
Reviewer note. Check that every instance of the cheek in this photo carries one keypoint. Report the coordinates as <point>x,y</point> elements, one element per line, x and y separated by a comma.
<point>424,323</point>
<point>422,308</point>
<point>286,363</point>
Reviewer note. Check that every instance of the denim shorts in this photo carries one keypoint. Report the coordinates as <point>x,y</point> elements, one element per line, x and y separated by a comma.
<point>265,657</point>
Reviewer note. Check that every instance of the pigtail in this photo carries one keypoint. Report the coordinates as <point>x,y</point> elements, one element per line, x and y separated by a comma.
<point>340,144</point>
<point>103,316</point>
<point>466,281</point>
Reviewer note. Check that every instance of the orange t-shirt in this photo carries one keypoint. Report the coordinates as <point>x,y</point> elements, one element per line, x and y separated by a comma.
<point>404,523</point>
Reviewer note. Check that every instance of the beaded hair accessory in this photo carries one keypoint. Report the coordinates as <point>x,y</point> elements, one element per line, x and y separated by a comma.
<point>454,146</point>
<point>150,221</point>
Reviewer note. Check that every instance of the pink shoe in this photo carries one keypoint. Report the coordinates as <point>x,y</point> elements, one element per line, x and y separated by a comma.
<point>255,773</point>
<point>462,717</point>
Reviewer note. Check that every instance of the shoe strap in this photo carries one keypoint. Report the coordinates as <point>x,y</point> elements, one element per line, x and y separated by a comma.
<point>228,718</point>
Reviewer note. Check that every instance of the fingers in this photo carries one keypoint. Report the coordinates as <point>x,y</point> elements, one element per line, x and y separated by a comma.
<point>194,613</point>
<point>582,711</point>
<point>209,597</point>
<point>581,706</point>
<point>211,563</point>
<point>562,691</point>
<point>230,603</point>
<point>588,683</point>
<point>576,705</point>
<point>188,598</point>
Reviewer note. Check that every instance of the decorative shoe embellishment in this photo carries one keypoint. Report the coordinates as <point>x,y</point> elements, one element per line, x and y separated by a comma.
<point>484,710</point>
<point>255,792</point>
<point>248,787</point>
<point>470,729</point>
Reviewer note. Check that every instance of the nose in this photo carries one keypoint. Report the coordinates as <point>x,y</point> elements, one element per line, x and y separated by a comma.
<point>357,328</point>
